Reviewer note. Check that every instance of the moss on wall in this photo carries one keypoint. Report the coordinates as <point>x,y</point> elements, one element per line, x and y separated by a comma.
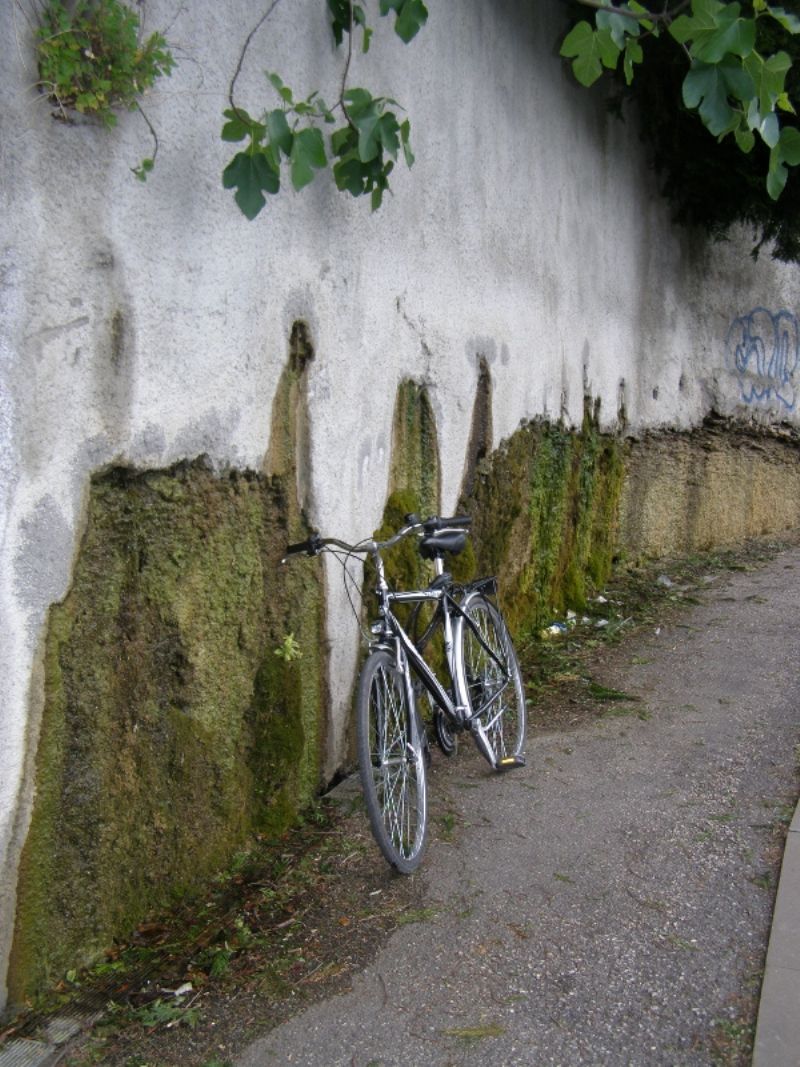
<point>414,483</point>
<point>171,730</point>
<point>544,505</point>
<point>415,448</point>
<point>544,509</point>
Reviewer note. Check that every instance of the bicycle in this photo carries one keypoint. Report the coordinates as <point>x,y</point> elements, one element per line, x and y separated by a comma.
<point>485,697</point>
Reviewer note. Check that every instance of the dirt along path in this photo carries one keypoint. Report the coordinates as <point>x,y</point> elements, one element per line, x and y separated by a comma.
<point>611,902</point>
<point>608,904</point>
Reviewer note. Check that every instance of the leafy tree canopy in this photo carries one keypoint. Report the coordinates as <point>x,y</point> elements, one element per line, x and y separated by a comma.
<point>716,86</point>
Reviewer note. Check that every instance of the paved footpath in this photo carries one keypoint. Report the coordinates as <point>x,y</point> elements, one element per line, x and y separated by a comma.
<point>609,904</point>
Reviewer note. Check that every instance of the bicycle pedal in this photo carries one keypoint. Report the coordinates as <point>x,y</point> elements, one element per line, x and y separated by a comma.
<point>509,763</point>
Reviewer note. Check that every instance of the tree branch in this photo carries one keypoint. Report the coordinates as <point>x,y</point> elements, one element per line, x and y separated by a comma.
<point>346,71</point>
<point>151,128</point>
<point>649,16</point>
<point>245,46</point>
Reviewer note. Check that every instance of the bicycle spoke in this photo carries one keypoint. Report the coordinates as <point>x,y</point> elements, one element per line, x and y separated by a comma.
<point>493,682</point>
<point>394,765</point>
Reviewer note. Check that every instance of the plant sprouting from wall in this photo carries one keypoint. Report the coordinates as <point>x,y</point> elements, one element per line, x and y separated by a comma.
<point>289,649</point>
<point>93,60</point>
<point>363,142</point>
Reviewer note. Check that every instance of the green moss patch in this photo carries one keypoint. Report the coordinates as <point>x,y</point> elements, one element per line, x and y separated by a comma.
<point>173,727</point>
<point>414,486</point>
<point>544,509</point>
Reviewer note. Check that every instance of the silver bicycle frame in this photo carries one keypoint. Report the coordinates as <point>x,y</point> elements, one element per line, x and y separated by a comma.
<point>458,710</point>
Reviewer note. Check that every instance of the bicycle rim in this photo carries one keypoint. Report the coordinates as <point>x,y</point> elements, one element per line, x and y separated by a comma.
<point>392,763</point>
<point>493,679</point>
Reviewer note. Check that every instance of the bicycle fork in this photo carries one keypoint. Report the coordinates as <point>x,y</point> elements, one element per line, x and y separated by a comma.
<point>481,739</point>
<point>471,720</point>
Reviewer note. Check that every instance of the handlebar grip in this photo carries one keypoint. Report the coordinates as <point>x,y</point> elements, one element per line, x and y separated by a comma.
<point>459,522</point>
<point>311,547</point>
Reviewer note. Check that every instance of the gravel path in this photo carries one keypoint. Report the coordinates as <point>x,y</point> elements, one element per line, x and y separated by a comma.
<point>611,902</point>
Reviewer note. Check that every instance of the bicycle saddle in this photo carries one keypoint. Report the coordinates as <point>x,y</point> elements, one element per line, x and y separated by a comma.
<point>437,544</point>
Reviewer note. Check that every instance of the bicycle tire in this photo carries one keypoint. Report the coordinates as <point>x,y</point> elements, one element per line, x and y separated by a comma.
<point>391,759</point>
<point>494,685</point>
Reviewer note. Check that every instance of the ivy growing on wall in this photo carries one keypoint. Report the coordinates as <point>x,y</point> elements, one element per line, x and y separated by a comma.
<point>360,135</point>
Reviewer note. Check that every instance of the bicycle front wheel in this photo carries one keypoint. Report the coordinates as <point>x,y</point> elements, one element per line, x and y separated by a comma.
<point>391,761</point>
<point>494,683</point>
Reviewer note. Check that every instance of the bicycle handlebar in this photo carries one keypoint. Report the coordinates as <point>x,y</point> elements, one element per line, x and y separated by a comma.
<point>315,544</point>
<point>434,524</point>
<point>311,547</point>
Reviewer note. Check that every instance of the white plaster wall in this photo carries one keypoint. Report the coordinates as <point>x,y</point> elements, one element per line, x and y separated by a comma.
<point>529,232</point>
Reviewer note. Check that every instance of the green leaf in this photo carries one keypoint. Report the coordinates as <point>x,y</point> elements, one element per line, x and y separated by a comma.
<point>715,31</point>
<point>308,155</point>
<point>358,101</point>
<point>786,151</point>
<point>768,77</point>
<point>789,21</point>
<point>773,78</point>
<point>377,194</point>
<point>633,54</point>
<point>770,129</point>
<point>251,174</point>
<point>85,102</point>
<point>237,127</point>
<point>284,91</point>
<point>745,139</point>
<point>621,27</point>
<point>388,131</point>
<point>686,28</point>
<point>278,131</point>
<point>348,174</point>
<point>589,50</point>
<point>405,133</point>
<point>608,49</point>
<point>144,168</point>
<point>776,178</point>
<point>708,86</point>
<point>646,24</point>
<point>344,140</point>
<point>340,10</point>
<point>790,145</point>
<point>411,16</point>
<point>736,37</point>
<point>369,144</point>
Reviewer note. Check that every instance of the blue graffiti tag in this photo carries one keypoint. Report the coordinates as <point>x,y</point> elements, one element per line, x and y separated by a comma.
<point>763,351</point>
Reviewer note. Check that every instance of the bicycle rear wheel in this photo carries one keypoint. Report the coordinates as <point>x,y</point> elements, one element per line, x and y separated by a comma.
<point>391,761</point>
<point>494,683</point>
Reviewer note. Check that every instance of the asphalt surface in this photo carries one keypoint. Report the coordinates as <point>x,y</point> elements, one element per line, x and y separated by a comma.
<point>610,903</point>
